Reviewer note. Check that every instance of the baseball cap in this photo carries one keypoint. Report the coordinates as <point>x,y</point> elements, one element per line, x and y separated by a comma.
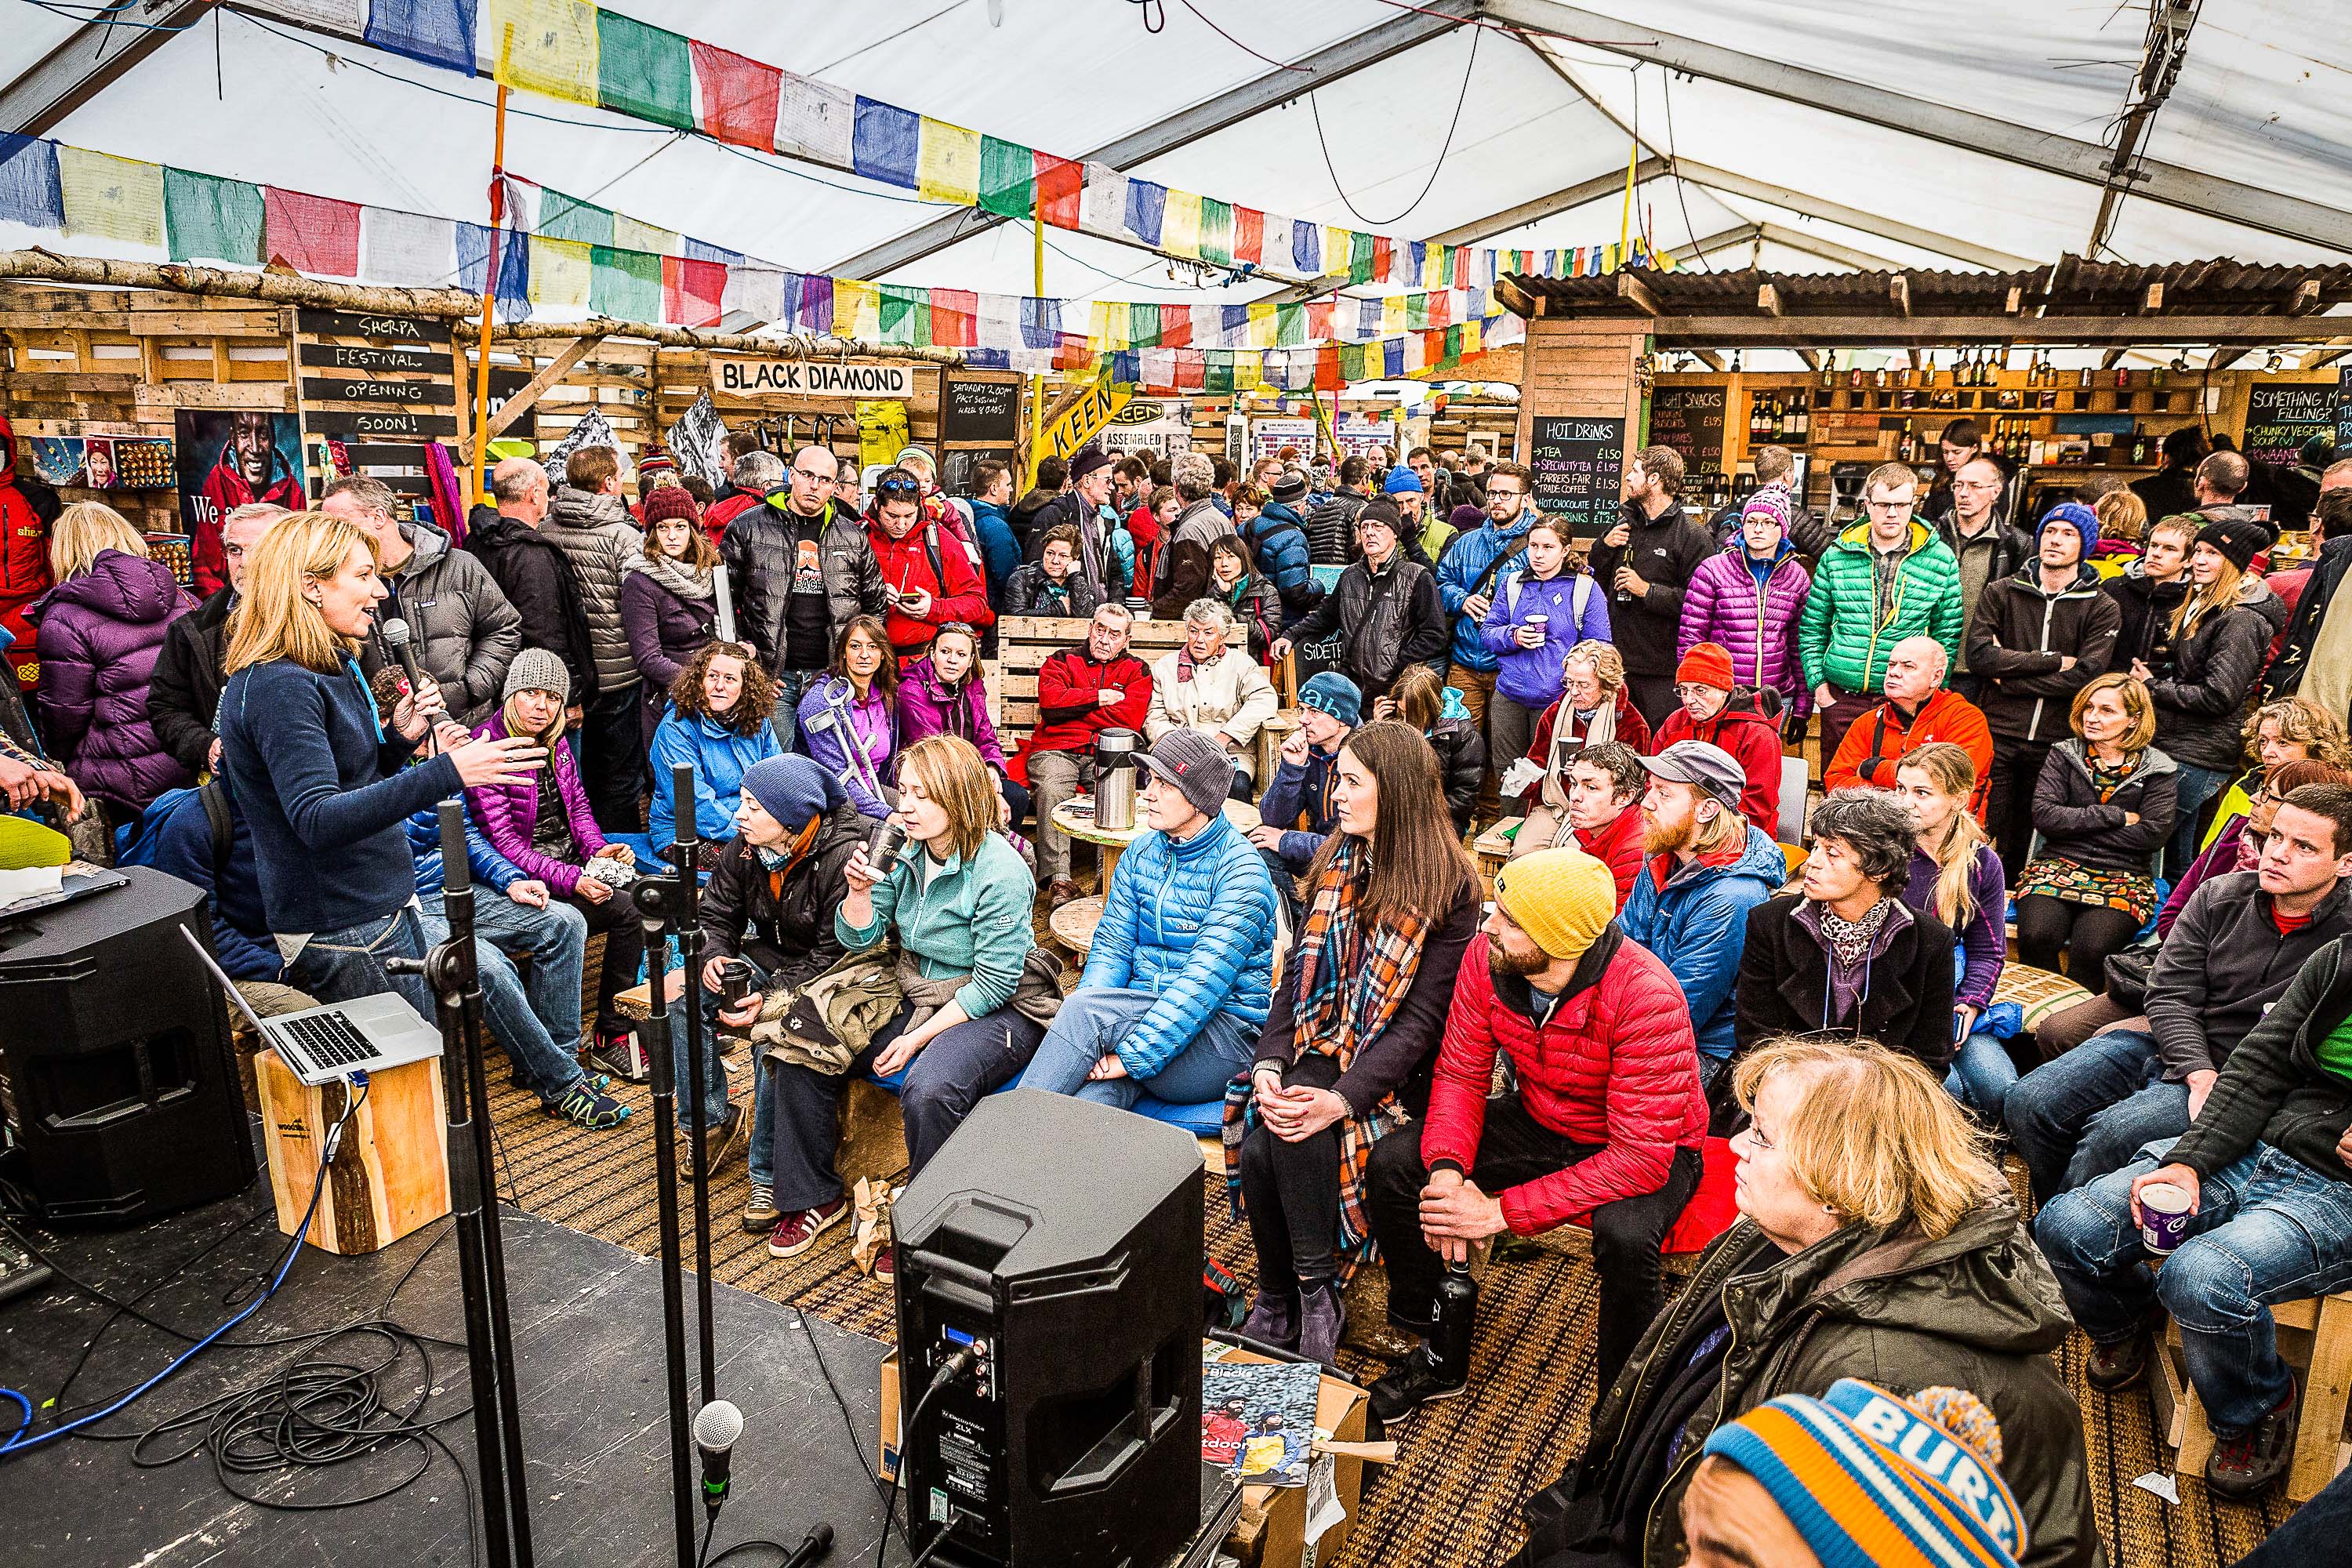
<point>1708,768</point>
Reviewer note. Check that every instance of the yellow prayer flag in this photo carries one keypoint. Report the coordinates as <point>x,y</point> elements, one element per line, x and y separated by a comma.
<point>628,234</point>
<point>1392,316</point>
<point>544,46</point>
<point>118,199</point>
<point>1180,224</point>
<point>562,272</point>
<point>947,163</point>
<point>1107,325</point>
<point>1337,246</point>
<point>1263,327</point>
<point>857,310</point>
<point>1474,338</point>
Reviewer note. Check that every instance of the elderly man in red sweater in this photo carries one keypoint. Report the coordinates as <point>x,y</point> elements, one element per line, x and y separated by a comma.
<point>1605,1129</point>
<point>1081,692</point>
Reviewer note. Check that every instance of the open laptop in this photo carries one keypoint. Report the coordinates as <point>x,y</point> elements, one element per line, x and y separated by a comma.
<point>319,1044</point>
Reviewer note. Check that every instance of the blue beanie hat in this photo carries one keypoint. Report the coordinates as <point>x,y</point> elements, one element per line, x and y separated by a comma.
<point>2073,514</point>
<point>1403,481</point>
<point>1333,693</point>
<point>793,789</point>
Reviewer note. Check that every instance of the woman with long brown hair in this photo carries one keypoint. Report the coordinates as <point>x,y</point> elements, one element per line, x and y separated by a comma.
<point>1391,902</point>
<point>719,705</point>
<point>849,716</point>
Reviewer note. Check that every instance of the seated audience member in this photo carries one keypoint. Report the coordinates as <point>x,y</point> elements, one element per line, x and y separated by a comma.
<point>1603,1127</point>
<point>183,693</point>
<point>544,827</point>
<point>28,780</point>
<point>1708,867</point>
<point>2239,846</point>
<point>2102,808</point>
<point>1296,811</point>
<point>1917,709</point>
<point>943,693</point>
<point>769,903</point>
<point>2288,729</point>
<point>669,605</point>
<point>1180,974</point>
<point>1349,1040</point>
<point>1542,605</point>
<point>1593,707</point>
<point>2264,1163</point>
<point>1257,604</point>
<point>1052,585</point>
<point>1422,700</point>
<point>1747,595</point>
<point>849,716</point>
<point>719,702</point>
<point>1957,877</point>
<point>1846,956</point>
<point>930,577</point>
<point>2034,639</point>
<point>1217,690</point>
<point>1081,692</point>
<point>1875,1240</point>
<point>1710,708</point>
<point>206,842</point>
<point>2231,955</point>
<point>1922,1469</point>
<point>1605,784</point>
<point>1385,608</point>
<point>957,903</point>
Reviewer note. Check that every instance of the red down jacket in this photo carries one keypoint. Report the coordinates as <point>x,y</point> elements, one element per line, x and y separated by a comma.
<point>1616,1064</point>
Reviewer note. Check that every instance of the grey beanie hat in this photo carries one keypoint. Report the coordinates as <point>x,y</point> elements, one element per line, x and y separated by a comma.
<point>536,669</point>
<point>1202,769</point>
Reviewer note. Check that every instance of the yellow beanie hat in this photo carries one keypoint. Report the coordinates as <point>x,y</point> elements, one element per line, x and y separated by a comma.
<point>1563,899</point>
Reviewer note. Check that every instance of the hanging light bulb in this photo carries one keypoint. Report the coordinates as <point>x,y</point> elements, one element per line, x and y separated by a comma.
<point>2273,362</point>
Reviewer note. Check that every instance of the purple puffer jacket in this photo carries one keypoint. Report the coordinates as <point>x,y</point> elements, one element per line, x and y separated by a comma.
<point>926,707</point>
<point>664,631</point>
<point>1720,606</point>
<point>99,634</point>
<point>507,812</point>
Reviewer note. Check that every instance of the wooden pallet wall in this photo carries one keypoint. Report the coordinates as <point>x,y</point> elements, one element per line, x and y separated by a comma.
<point>384,385</point>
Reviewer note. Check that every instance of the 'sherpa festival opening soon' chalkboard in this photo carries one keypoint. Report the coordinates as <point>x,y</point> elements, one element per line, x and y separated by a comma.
<point>1577,462</point>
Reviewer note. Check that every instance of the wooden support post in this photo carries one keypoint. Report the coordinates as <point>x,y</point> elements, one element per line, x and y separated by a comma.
<point>1636,292</point>
<point>1767,300</point>
<point>1898,288</point>
<point>522,403</point>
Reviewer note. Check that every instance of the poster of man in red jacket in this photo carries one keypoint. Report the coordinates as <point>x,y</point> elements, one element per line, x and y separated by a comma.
<point>228,459</point>
<point>24,562</point>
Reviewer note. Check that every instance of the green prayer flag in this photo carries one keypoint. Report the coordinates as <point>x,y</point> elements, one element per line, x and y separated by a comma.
<point>210,219</point>
<point>1143,326</point>
<point>1008,178</point>
<point>568,217</point>
<point>1360,257</point>
<point>1289,325</point>
<point>644,72</point>
<point>1216,230</point>
<point>625,285</point>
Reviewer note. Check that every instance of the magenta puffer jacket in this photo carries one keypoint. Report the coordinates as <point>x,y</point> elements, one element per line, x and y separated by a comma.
<point>99,634</point>
<point>507,811</point>
<point>926,707</point>
<point>1722,605</point>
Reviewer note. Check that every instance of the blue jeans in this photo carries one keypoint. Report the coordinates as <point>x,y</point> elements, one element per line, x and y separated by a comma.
<point>2085,1114</point>
<point>538,1020</point>
<point>1092,1023</point>
<point>347,964</point>
<point>2268,1228</point>
<point>2192,789</point>
<point>792,685</point>
<point>758,1162</point>
<point>1982,1076</point>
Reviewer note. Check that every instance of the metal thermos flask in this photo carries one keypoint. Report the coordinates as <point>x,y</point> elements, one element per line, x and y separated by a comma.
<point>1457,1309</point>
<point>1115,780</point>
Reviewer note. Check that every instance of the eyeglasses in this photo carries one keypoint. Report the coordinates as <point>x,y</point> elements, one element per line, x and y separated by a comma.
<point>1976,484</point>
<point>813,477</point>
<point>1494,494</point>
<point>1891,508</point>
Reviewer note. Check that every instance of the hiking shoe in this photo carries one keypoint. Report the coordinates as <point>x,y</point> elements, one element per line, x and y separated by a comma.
<point>1412,1386</point>
<point>760,1213</point>
<point>796,1233</point>
<point>1273,1318</point>
<point>718,1143</point>
<point>1060,892</point>
<point>1322,1319</point>
<point>615,1054</point>
<point>2244,1465</point>
<point>2118,1366</point>
<point>586,1104</point>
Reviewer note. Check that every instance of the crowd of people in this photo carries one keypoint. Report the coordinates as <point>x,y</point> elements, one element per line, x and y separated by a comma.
<point>2119,731</point>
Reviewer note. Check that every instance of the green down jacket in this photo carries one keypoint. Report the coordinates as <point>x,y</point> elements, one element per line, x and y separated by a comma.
<point>1844,632</point>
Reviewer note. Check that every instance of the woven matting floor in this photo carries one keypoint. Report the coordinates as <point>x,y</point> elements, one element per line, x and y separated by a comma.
<point>1466,1465</point>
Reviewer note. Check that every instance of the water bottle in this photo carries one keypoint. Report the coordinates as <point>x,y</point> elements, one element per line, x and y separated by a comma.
<point>1457,1310</point>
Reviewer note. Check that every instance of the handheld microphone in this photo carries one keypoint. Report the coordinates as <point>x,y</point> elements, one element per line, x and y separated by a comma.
<point>715,1431</point>
<point>811,1549</point>
<point>394,633</point>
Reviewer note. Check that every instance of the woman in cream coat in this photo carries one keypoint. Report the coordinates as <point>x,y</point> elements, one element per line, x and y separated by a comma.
<point>1218,691</point>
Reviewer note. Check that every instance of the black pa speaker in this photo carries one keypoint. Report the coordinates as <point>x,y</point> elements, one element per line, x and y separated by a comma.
<point>122,1093</point>
<point>1061,1240</point>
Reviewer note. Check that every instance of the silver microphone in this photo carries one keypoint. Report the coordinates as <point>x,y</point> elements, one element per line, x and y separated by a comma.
<point>715,1431</point>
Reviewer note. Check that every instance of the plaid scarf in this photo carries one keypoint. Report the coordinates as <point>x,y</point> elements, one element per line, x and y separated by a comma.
<point>1350,981</point>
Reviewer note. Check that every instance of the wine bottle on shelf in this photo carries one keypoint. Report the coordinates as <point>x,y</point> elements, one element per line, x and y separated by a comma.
<point>2083,376</point>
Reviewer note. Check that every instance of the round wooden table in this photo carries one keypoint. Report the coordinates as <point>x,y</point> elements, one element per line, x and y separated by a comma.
<point>1075,816</point>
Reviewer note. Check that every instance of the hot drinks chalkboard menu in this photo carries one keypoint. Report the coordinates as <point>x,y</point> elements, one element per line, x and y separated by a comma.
<point>1577,463</point>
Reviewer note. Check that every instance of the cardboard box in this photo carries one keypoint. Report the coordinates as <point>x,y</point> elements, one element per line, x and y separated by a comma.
<point>1272,1529</point>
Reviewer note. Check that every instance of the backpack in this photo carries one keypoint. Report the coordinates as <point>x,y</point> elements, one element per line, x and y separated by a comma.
<point>141,851</point>
<point>1579,596</point>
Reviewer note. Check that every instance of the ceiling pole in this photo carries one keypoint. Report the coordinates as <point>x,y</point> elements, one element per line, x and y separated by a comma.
<point>2160,68</point>
<point>90,59</point>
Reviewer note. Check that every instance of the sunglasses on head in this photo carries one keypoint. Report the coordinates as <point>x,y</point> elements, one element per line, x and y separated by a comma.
<point>898,485</point>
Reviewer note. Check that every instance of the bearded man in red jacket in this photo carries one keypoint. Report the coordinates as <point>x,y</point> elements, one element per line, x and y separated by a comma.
<point>1605,1129</point>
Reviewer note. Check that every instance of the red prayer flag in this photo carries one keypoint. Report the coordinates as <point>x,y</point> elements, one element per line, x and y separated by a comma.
<point>955,318</point>
<point>691,291</point>
<point>1060,184</point>
<point>1441,308</point>
<point>1175,326</point>
<point>1192,369</point>
<point>1249,235</point>
<point>1383,255</point>
<point>1321,315</point>
<point>738,96</point>
<point>311,234</point>
<point>1327,368</point>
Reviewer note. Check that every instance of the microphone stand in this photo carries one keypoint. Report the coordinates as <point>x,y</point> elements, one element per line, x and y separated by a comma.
<point>684,852</point>
<point>448,970</point>
<point>657,898</point>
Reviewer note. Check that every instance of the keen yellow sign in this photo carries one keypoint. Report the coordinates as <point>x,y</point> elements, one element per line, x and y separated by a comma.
<point>1084,419</point>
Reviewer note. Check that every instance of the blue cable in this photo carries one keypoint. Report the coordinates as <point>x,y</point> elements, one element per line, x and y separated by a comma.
<point>19,1443</point>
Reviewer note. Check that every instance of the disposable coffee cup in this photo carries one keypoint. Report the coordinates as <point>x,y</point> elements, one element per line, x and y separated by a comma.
<point>1542,624</point>
<point>734,983</point>
<point>882,847</point>
<point>2164,1217</point>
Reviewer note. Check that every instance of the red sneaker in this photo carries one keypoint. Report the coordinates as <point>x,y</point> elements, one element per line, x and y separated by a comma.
<point>797,1232</point>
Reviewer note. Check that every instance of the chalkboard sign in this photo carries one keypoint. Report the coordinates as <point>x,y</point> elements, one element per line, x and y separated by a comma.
<point>2281,415</point>
<point>1577,462</point>
<point>1690,420</point>
<point>981,411</point>
<point>2344,412</point>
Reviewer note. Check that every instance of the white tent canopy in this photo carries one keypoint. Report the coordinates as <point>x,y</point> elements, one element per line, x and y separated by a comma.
<point>1800,137</point>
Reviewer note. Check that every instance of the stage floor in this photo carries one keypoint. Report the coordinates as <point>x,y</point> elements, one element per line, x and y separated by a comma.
<point>587,1325</point>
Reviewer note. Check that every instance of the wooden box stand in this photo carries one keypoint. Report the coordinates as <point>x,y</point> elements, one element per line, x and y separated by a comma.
<point>2316,1334</point>
<point>391,1174</point>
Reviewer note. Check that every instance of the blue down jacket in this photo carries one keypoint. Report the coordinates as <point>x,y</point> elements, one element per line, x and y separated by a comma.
<point>1194,923</point>
<point>1465,561</point>
<point>1277,541</point>
<point>1697,925</point>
